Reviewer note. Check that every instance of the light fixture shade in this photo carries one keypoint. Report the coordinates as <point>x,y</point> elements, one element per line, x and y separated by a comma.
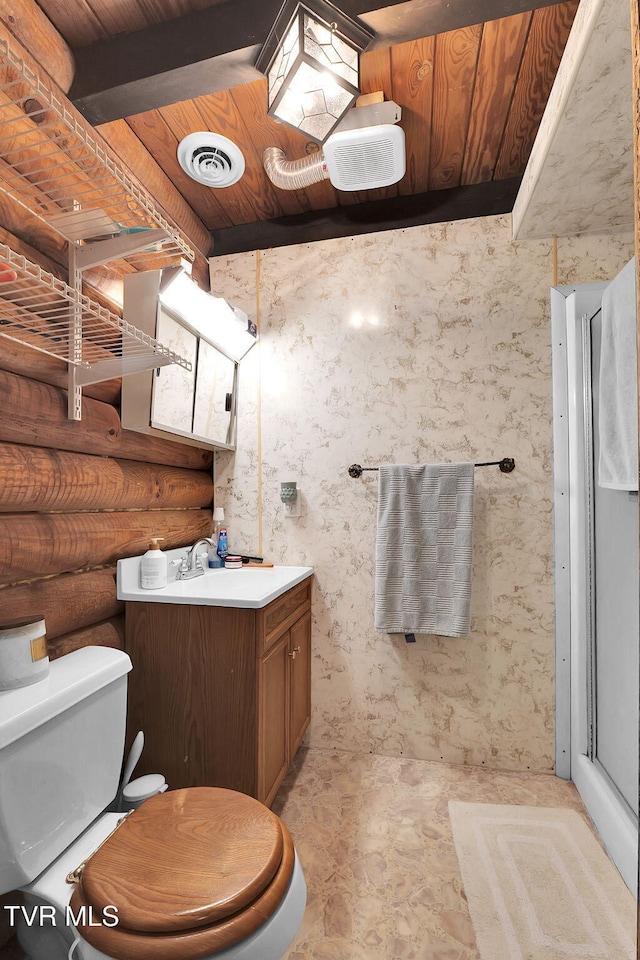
<point>311,60</point>
<point>217,321</point>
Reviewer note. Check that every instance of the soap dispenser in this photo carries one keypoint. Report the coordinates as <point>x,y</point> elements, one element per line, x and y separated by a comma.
<point>154,567</point>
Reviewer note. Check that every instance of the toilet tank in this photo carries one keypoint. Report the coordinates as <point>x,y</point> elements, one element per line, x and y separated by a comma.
<point>61,748</point>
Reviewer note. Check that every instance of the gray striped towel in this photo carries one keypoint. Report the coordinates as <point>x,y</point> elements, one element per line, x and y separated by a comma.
<point>424,549</point>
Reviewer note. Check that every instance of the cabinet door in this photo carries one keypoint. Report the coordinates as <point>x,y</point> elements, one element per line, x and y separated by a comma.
<point>193,692</point>
<point>273,718</point>
<point>173,388</point>
<point>213,416</point>
<point>300,656</point>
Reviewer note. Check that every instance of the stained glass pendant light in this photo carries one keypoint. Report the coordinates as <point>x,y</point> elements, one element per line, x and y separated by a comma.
<point>311,59</point>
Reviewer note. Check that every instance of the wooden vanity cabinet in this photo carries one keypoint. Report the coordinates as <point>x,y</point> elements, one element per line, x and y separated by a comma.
<point>284,702</point>
<point>223,694</point>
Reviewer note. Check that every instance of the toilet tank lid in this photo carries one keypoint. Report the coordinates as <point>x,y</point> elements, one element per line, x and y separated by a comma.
<point>71,678</point>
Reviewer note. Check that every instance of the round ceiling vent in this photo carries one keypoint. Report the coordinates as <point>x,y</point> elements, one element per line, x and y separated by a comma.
<point>211,159</point>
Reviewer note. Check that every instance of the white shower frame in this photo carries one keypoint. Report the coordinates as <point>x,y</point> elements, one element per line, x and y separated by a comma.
<point>571,310</point>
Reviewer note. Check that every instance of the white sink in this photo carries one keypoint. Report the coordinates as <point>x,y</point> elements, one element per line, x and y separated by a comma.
<point>249,587</point>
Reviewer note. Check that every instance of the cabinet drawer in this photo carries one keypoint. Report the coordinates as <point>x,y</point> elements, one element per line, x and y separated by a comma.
<point>281,613</point>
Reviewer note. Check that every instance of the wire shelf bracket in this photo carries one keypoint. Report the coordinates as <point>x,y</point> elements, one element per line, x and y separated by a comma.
<point>52,165</point>
<point>40,311</point>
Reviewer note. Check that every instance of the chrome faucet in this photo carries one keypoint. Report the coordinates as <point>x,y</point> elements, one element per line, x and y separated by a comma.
<point>191,563</point>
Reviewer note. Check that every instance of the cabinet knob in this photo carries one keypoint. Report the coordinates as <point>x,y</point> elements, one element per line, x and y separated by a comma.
<point>293,653</point>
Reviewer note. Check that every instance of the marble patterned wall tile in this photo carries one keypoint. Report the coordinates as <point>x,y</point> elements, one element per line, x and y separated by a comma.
<point>585,136</point>
<point>423,345</point>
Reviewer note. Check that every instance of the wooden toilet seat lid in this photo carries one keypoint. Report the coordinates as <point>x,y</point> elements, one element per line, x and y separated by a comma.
<point>186,859</point>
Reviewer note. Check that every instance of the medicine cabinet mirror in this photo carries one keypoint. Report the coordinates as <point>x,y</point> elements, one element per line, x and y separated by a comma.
<point>196,406</point>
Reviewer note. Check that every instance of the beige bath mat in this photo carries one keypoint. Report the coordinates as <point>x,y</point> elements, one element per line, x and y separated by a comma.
<point>539,885</point>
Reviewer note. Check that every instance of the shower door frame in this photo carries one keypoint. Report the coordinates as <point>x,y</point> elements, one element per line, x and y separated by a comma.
<point>572,308</point>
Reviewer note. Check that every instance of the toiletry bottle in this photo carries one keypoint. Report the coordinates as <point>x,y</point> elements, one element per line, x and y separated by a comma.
<point>154,567</point>
<point>214,560</point>
<point>223,548</point>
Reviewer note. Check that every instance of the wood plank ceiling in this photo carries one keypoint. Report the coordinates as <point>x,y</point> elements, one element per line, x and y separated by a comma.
<point>472,99</point>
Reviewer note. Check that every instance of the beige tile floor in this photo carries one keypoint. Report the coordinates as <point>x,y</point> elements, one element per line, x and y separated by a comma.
<point>374,837</point>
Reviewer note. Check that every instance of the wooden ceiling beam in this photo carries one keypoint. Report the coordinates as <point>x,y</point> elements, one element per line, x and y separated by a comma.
<point>216,48</point>
<point>396,213</point>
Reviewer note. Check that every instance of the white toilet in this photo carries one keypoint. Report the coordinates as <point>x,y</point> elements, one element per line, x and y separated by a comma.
<point>192,874</point>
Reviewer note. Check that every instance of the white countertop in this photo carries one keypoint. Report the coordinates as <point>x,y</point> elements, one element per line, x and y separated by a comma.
<point>251,587</point>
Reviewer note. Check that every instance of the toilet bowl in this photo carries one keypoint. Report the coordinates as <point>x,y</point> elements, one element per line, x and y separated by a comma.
<point>201,872</point>
<point>191,874</point>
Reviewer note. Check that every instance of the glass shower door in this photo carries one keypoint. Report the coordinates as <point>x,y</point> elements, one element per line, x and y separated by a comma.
<point>615,654</point>
<point>596,592</point>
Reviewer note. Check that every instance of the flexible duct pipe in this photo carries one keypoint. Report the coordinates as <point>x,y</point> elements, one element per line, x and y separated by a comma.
<point>294,174</point>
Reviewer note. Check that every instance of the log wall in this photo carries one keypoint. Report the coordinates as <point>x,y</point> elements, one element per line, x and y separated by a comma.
<point>74,497</point>
<point>77,496</point>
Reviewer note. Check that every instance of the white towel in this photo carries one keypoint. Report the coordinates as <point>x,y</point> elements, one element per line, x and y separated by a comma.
<point>424,549</point>
<point>618,421</point>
